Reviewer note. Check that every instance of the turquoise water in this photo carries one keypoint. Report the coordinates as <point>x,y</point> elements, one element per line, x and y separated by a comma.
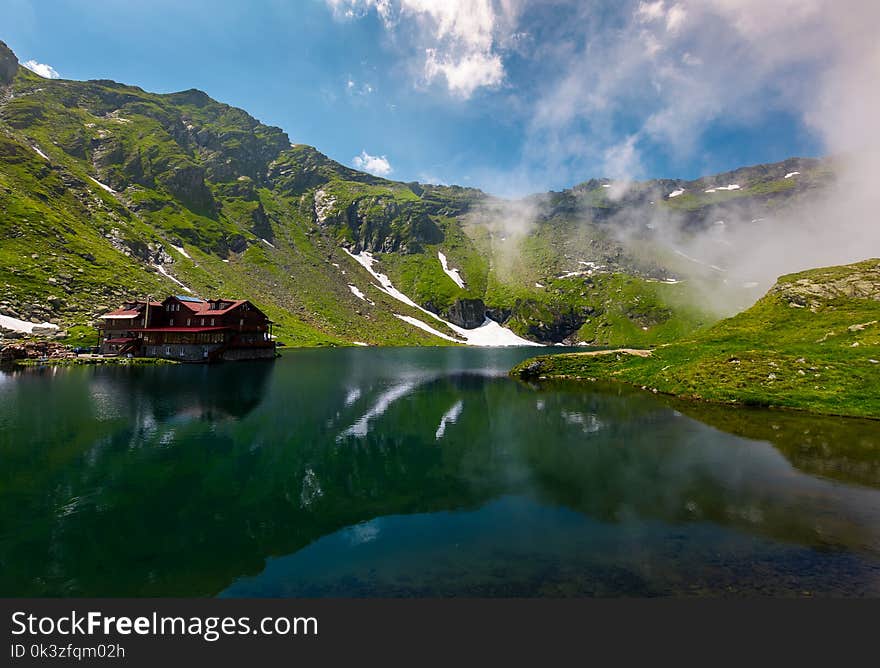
<point>419,472</point>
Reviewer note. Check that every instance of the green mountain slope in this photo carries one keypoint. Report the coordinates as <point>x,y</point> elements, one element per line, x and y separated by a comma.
<point>813,342</point>
<point>108,192</point>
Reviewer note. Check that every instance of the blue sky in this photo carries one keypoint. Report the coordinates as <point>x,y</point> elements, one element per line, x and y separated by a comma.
<point>513,96</point>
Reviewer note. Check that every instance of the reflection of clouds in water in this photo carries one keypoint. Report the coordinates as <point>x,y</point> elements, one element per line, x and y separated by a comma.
<point>353,395</point>
<point>361,426</point>
<point>539,404</point>
<point>588,423</point>
<point>450,417</point>
<point>311,489</point>
<point>365,532</point>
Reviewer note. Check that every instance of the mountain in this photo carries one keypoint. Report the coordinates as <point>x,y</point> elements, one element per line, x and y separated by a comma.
<point>812,342</point>
<point>108,192</point>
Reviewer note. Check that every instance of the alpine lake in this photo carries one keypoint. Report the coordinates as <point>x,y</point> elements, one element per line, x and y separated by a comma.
<point>419,472</point>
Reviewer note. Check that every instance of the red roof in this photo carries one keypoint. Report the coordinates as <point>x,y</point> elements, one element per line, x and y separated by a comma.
<point>131,312</point>
<point>205,307</point>
<point>123,312</point>
<point>200,308</point>
<point>178,330</point>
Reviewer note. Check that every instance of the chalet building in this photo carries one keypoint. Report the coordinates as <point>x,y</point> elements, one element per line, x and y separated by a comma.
<point>188,329</point>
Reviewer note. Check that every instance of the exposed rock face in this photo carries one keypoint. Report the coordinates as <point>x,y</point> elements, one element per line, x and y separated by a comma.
<point>187,183</point>
<point>261,226</point>
<point>237,243</point>
<point>548,325</point>
<point>499,314</point>
<point>467,313</point>
<point>378,224</point>
<point>8,64</point>
<point>324,206</point>
<point>821,287</point>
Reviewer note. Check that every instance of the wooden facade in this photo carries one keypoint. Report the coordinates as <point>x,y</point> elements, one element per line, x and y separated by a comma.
<point>188,329</point>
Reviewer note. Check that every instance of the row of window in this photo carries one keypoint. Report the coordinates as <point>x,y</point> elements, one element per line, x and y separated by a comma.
<point>211,322</point>
<point>200,337</point>
<point>212,306</point>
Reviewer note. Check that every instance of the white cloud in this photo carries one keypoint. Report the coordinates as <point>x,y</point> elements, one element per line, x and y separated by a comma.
<point>650,11</point>
<point>352,87</point>
<point>458,42</point>
<point>374,164</point>
<point>672,70</point>
<point>466,73</point>
<point>675,18</point>
<point>669,70</point>
<point>45,71</point>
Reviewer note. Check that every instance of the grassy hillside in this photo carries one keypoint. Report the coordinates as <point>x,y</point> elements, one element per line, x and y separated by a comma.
<point>109,192</point>
<point>812,343</point>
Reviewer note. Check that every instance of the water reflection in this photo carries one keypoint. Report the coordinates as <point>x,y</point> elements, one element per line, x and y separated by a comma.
<point>844,449</point>
<point>183,480</point>
<point>449,417</point>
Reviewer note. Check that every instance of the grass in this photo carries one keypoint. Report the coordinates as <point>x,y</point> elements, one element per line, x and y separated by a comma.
<point>823,359</point>
<point>86,361</point>
<point>78,250</point>
<point>191,171</point>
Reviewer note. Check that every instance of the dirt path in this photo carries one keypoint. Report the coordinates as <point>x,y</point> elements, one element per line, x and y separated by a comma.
<point>628,351</point>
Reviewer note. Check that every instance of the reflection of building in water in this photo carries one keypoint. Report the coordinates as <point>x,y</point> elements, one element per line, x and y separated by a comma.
<point>188,329</point>
<point>211,392</point>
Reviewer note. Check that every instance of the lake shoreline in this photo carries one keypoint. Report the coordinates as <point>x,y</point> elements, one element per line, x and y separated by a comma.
<point>690,399</point>
<point>571,367</point>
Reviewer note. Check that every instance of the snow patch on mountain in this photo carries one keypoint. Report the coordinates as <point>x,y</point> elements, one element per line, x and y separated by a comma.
<point>104,186</point>
<point>360,295</point>
<point>16,325</point>
<point>452,273</point>
<point>164,272</point>
<point>490,333</point>
<point>415,322</point>
<point>181,250</point>
<point>732,186</point>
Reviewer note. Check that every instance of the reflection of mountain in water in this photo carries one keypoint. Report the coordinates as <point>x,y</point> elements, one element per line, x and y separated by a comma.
<point>845,449</point>
<point>184,506</point>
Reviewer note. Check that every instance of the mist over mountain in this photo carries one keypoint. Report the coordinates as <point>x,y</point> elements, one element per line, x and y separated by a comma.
<point>108,192</point>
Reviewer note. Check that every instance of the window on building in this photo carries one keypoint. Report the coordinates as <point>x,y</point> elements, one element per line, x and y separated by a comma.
<point>212,322</point>
<point>188,322</point>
